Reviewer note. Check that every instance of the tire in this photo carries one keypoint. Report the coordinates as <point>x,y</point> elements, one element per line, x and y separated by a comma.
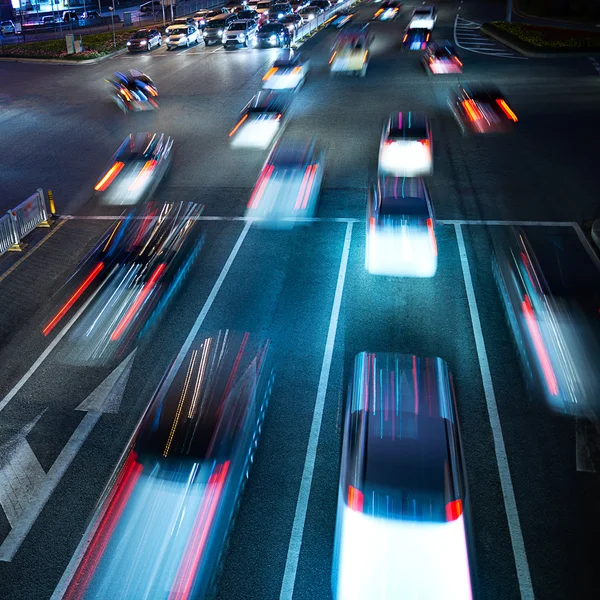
<point>206,42</point>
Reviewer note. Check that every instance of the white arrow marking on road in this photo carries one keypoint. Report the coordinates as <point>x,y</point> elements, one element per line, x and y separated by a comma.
<point>106,398</point>
<point>20,473</point>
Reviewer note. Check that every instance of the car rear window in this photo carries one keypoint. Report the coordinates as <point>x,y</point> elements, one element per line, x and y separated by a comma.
<point>274,28</point>
<point>413,207</point>
<point>409,133</point>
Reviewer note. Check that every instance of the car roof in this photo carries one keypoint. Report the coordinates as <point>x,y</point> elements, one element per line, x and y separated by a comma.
<point>403,196</point>
<point>291,152</point>
<point>407,121</point>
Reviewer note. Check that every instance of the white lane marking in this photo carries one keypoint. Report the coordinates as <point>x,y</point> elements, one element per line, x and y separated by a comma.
<point>209,302</point>
<point>510,504</point>
<point>105,398</point>
<point>595,64</point>
<point>20,473</point>
<point>508,223</point>
<point>479,44</point>
<point>44,355</point>
<point>293,555</point>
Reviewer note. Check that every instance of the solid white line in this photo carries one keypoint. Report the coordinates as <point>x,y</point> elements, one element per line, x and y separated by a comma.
<point>291,564</point>
<point>510,504</point>
<point>223,218</point>
<point>507,223</point>
<point>44,355</point>
<point>209,302</point>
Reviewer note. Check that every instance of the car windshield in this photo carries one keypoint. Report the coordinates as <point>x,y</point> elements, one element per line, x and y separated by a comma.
<point>270,28</point>
<point>216,24</point>
<point>179,29</point>
<point>237,26</point>
<point>410,207</point>
<point>246,14</point>
<point>140,35</point>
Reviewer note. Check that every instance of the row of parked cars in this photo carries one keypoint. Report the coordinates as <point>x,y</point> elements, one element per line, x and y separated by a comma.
<point>265,23</point>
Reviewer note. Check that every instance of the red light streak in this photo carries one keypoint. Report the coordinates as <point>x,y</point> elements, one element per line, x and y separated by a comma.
<point>356,499</point>
<point>109,177</point>
<point>261,185</point>
<point>432,236</point>
<point>129,315</point>
<point>78,292</point>
<point>453,510</point>
<point>116,505</point>
<point>542,353</point>
<point>184,580</point>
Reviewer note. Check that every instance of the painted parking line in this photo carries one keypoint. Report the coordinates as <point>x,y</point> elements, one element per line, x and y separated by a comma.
<point>468,37</point>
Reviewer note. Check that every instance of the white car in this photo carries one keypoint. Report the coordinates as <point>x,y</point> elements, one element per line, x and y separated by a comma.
<point>7,27</point>
<point>261,121</point>
<point>288,72</point>
<point>403,503</point>
<point>423,17</point>
<point>400,229</point>
<point>240,33</point>
<point>406,146</point>
<point>289,184</point>
<point>182,35</point>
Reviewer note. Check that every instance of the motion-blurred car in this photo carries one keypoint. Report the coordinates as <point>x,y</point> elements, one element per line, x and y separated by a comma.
<point>423,17</point>
<point>136,169</point>
<point>441,58</point>
<point>273,35</point>
<point>124,284</point>
<point>403,517</point>
<point>144,40</point>
<point>482,109</point>
<point>261,121</point>
<point>289,184</point>
<point>292,22</point>
<point>401,229</point>
<point>162,527</point>
<point>350,51</point>
<point>70,16</point>
<point>288,72</point>
<point>298,5</point>
<point>133,91</point>
<point>389,11</point>
<point>557,342</point>
<point>340,19</point>
<point>406,145</point>
<point>240,33</point>
<point>416,39</point>
<point>215,28</point>
<point>310,12</point>
<point>182,35</point>
<point>7,27</point>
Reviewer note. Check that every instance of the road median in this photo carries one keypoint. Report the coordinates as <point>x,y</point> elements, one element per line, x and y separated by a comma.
<point>538,41</point>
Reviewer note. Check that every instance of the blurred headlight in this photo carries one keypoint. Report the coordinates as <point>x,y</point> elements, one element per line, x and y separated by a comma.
<point>129,43</point>
<point>241,37</point>
<point>220,32</point>
<point>280,16</point>
<point>143,42</point>
<point>168,40</point>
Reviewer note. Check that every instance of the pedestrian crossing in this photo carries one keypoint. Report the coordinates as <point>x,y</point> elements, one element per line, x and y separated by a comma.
<point>468,37</point>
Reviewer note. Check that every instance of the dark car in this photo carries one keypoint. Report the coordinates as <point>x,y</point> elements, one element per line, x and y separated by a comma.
<point>322,4</point>
<point>247,14</point>
<point>144,40</point>
<point>70,16</point>
<point>90,15</point>
<point>292,22</point>
<point>273,35</point>
<point>482,109</point>
<point>416,39</point>
<point>278,11</point>
<point>215,27</point>
<point>125,283</point>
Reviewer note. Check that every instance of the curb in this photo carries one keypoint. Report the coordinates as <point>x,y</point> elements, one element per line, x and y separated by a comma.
<point>58,61</point>
<point>509,40</point>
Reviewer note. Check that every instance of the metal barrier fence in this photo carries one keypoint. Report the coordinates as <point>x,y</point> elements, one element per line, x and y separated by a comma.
<point>21,220</point>
<point>8,233</point>
<point>313,24</point>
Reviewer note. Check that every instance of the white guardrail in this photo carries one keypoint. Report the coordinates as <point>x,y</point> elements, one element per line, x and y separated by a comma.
<point>21,220</point>
<point>313,24</point>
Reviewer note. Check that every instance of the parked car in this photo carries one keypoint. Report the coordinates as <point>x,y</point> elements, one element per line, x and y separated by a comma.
<point>70,16</point>
<point>90,15</point>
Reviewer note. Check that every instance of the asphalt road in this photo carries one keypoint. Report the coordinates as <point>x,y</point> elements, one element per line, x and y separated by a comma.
<point>59,130</point>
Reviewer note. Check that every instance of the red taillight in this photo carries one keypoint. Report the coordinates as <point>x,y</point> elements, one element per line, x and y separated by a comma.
<point>372,224</point>
<point>405,37</point>
<point>506,109</point>
<point>424,143</point>
<point>472,110</point>
<point>453,510</point>
<point>109,176</point>
<point>356,499</point>
<point>432,236</point>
